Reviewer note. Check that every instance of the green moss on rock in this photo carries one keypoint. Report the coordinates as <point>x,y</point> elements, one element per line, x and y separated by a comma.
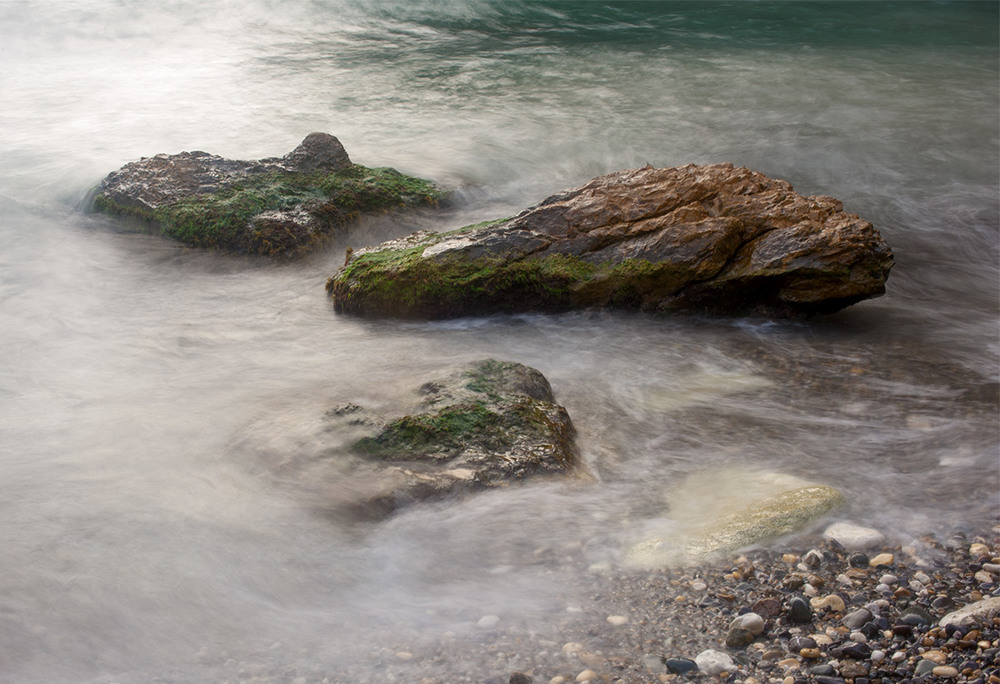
<point>225,219</point>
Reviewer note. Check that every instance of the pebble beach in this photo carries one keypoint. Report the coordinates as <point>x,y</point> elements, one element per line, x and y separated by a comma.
<point>805,610</point>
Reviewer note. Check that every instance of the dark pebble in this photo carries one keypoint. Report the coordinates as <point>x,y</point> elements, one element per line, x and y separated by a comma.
<point>797,643</point>
<point>858,560</point>
<point>902,629</point>
<point>853,650</point>
<point>738,637</point>
<point>916,616</point>
<point>823,670</point>
<point>680,665</point>
<point>857,619</point>
<point>942,603</point>
<point>924,667</point>
<point>520,678</point>
<point>829,680</point>
<point>799,610</point>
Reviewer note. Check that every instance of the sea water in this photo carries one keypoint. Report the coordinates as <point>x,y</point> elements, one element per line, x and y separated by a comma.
<point>157,403</point>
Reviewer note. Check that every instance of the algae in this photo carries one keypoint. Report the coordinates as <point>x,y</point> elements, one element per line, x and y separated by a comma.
<point>222,219</point>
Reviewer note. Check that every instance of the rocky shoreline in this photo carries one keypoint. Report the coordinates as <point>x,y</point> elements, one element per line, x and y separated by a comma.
<point>806,610</point>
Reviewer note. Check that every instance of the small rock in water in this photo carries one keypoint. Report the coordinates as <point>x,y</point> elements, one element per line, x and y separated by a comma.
<point>831,602</point>
<point>973,614</point>
<point>713,662</point>
<point>767,607</point>
<point>749,621</point>
<point>857,619</point>
<point>799,611</point>
<point>617,620</point>
<point>520,678</point>
<point>883,559</point>
<point>488,621</point>
<point>853,537</point>
<point>680,665</point>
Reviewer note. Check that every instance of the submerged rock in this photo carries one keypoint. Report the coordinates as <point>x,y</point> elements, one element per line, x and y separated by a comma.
<point>487,425</point>
<point>714,238</point>
<point>749,508</point>
<point>283,206</point>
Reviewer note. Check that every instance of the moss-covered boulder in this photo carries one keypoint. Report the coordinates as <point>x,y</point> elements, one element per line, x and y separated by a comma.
<point>283,206</point>
<point>714,238</point>
<point>488,424</point>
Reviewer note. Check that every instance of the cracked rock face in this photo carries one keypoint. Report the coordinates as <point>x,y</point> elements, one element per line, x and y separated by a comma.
<point>715,238</point>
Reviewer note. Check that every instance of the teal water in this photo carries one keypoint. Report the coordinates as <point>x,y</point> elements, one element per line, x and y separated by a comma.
<point>153,400</point>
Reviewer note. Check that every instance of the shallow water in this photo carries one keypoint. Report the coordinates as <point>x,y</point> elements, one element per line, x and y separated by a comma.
<point>148,390</point>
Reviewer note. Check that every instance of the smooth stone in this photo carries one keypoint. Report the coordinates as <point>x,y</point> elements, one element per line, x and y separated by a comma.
<point>924,668</point>
<point>799,611</point>
<point>978,550</point>
<point>858,560</point>
<point>857,619</point>
<point>889,579</point>
<point>680,665</point>
<point>750,621</point>
<point>880,560</point>
<point>858,638</point>
<point>713,662</point>
<point>877,656</point>
<point>853,537</point>
<point>821,679</point>
<point>617,620</point>
<point>798,643</point>
<point>826,669</point>
<point>853,650</point>
<point>936,656</point>
<point>519,678</point>
<point>488,621</point>
<point>944,671</point>
<point>974,614</point>
<point>915,616</point>
<point>811,653</point>
<point>586,676</point>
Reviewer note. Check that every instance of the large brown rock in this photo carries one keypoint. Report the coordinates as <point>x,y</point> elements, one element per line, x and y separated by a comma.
<point>714,238</point>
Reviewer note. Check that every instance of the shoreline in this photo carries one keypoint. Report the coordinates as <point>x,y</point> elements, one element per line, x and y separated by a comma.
<point>811,594</point>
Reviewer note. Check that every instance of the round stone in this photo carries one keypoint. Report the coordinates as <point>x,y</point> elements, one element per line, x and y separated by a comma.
<point>749,621</point>
<point>713,662</point>
<point>883,559</point>
<point>799,611</point>
<point>857,619</point>
<point>617,620</point>
<point>586,676</point>
<point>680,665</point>
<point>944,671</point>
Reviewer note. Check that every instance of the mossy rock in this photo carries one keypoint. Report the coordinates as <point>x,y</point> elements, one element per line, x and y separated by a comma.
<point>703,239</point>
<point>485,425</point>
<point>275,207</point>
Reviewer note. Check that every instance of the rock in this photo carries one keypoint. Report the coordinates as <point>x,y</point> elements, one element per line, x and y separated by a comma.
<point>974,614</point>
<point>746,508</point>
<point>617,620</point>
<point>713,662</point>
<point>915,616</point>
<point>853,537</point>
<point>738,637</point>
<point>857,619</point>
<point>799,610</point>
<point>486,424</point>
<point>751,622</point>
<point>881,560</point>
<point>284,206</point>
<point>714,238</point>
<point>680,665</point>
<point>767,607</point>
<point>831,602</point>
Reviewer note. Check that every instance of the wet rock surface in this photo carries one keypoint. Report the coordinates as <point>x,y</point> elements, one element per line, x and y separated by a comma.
<point>278,206</point>
<point>483,425</point>
<point>713,238</point>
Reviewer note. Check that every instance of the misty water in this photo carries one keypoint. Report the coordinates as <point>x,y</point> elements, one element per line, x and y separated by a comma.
<point>157,403</point>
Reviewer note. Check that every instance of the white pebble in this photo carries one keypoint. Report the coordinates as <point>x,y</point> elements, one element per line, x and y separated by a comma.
<point>809,590</point>
<point>883,589</point>
<point>877,656</point>
<point>898,656</point>
<point>714,662</point>
<point>859,638</point>
<point>845,580</point>
<point>921,577</point>
<point>751,622</point>
<point>853,537</point>
<point>617,620</point>
<point>889,578</point>
<point>586,676</point>
<point>488,621</point>
<point>698,585</point>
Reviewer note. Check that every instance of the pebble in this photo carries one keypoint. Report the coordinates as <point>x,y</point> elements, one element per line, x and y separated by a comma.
<point>853,537</point>
<point>880,560</point>
<point>617,620</point>
<point>680,665</point>
<point>713,662</point>
<point>750,621</point>
<point>488,621</point>
<point>586,676</point>
<point>978,550</point>
<point>877,656</point>
<point>832,602</point>
<point>857,619</point>
<point>799,610</point>
<point>944,671</point>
